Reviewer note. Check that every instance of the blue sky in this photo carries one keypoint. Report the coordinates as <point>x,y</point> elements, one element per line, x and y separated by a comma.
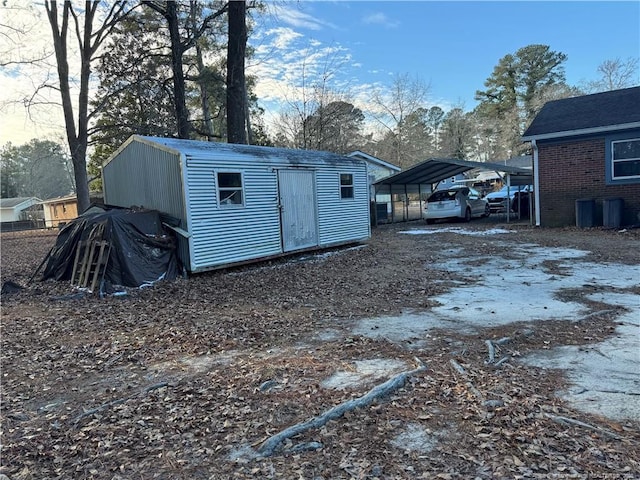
<point>453,45</point>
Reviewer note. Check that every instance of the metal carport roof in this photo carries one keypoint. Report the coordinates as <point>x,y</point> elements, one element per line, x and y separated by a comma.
<point>437,169</point>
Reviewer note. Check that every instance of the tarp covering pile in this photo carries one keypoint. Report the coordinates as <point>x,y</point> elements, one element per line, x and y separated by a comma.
<point>142,250</point>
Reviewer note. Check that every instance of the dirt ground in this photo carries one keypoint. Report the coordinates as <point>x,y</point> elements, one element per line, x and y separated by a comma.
<point>186,380</point>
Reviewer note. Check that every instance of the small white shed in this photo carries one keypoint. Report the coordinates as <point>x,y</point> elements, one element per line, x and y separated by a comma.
<point>241,203</point>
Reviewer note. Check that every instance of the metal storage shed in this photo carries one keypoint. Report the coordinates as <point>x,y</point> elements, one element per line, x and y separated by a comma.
<point>241,203</point>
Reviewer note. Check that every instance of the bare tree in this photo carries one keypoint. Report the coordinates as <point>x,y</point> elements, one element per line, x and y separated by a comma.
<point>17,22</point>
<point>90,29</point>
<point>391,108</point>
<point>615,74</point>
<point>314,91</point>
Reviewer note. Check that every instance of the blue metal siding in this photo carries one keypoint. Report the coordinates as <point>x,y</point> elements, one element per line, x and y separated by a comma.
<point>223,235</point>
<point>152,171</point>
<point>342,220</point>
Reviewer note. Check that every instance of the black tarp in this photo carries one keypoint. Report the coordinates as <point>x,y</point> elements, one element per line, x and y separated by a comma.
<point>142,250</point>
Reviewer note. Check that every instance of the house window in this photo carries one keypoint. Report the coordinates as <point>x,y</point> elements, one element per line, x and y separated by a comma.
<point>625,159</point>
<point>346,185</point>
<point>230,192</point>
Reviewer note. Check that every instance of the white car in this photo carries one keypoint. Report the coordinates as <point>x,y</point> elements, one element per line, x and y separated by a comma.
<point>455,202</point>
<point>518,198</point>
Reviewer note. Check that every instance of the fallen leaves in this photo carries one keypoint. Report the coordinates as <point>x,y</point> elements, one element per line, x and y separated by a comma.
<point>174,381</point>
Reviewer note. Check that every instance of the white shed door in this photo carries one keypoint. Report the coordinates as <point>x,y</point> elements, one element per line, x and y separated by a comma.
<point>297,209</point>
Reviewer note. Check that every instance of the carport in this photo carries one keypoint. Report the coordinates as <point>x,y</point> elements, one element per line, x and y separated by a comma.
<point>406,192</point>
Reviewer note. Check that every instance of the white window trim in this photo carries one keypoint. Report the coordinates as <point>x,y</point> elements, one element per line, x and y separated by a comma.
<point>614,161</point>
<point>241,189</point>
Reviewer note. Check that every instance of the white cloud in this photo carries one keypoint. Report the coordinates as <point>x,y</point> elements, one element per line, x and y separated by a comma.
<point>283,37</point>
<point>380,18</point>
<point>18,124</point>
<point>297,18</point>
<point>285,59</point>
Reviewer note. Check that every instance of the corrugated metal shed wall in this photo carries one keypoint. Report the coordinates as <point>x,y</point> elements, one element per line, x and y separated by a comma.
<point>342,220</point>
<point>145,176</point>
<point>232,234</point>
<point>143,173</point>
<point>228,235</point>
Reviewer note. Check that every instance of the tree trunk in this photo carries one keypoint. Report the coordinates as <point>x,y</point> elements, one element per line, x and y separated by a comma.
<point>236,98</point>
<point>77,140</point>
<point>89,39</point>
<point>182,114</point>
<point>204,95</point>
<point>247,116</point>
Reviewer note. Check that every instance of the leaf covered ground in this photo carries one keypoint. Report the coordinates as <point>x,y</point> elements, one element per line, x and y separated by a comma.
<point>185,380</point>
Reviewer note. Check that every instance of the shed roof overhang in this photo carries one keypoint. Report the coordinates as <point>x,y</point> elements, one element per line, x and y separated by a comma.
<point>435,170</point>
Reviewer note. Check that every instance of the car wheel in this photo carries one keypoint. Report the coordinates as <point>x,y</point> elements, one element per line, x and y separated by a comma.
<point>430,221</point>
<point>467,215</point>
<point>487,210</point>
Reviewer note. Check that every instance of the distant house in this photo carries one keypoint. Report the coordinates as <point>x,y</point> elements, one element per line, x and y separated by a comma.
<point>60,210</point>
<point>378,169</point>
<point>452,181</point>
<point>488,181</point>
<point>586,151</point>
<point>16,209</point>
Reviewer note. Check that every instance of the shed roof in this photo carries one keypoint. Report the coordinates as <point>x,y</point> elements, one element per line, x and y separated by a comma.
<point>435,170</point>
<point>587,114</point>
<point>268,154</point>
<point>63,199</point>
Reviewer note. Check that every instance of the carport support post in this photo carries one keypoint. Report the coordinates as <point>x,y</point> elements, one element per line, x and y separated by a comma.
<point>406,204</point>
<point>508,205</point>
<point>393,207</point>
<point>373,206</point>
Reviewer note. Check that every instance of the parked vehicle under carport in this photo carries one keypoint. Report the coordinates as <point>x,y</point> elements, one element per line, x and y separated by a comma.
<point>459,202</point>
<point>516,197</point>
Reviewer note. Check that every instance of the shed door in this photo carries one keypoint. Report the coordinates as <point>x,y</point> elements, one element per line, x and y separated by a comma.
<point>297,209</point>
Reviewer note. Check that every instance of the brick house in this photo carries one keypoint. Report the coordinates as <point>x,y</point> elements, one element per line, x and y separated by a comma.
<point>587,149</point>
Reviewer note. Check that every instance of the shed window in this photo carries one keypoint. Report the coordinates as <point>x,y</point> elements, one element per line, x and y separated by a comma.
<point>346,185</point>
<point>625,159</point>
<point>230,190</point>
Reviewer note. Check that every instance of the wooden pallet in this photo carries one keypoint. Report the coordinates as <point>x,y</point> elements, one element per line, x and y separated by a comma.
<point>91,260</point>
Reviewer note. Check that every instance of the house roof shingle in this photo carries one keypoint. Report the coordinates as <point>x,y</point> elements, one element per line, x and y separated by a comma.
<point>14,202</point>
<point>586,114</point>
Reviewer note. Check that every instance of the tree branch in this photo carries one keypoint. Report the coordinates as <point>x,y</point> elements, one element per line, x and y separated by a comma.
<point>270,445</point>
